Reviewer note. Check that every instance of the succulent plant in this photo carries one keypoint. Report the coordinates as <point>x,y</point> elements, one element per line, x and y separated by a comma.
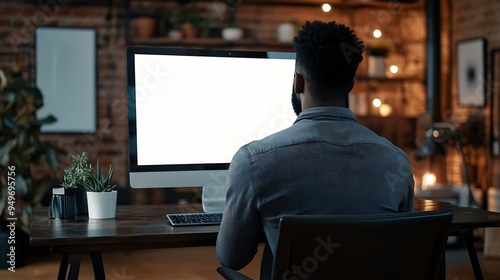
<point>96,182</point>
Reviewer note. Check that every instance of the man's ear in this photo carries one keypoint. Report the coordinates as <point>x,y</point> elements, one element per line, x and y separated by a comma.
<point>298,83</point>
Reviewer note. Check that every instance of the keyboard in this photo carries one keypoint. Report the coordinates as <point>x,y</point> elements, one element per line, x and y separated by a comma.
<point>194,219</point>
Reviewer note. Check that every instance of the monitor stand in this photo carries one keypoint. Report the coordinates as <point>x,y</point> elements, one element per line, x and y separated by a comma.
<point>213,198</point>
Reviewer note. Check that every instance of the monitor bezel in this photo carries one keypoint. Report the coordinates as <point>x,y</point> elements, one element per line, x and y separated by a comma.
<point>131,52</point>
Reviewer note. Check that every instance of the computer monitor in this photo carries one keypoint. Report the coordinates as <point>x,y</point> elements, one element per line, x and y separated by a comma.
<point>190,110</point>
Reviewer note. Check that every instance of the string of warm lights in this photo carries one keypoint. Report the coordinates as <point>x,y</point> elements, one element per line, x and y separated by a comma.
<point>384,109</point>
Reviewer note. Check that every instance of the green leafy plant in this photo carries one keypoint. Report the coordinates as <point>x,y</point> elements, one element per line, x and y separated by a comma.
<point>96,182</point>
<point>78,172</point>
<point>21,147</point>
<point>187,15</point>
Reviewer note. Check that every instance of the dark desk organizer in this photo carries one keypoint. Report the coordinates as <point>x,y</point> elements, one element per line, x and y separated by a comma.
<point>67,203</point>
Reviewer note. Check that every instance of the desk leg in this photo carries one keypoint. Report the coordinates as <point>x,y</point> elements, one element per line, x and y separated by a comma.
<point>74,270</point>
<point>63,268</point>
<point>469,242</point>
<point>98,266</point>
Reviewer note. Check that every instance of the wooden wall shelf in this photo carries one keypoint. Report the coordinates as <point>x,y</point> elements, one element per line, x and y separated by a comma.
<point>246,43</point>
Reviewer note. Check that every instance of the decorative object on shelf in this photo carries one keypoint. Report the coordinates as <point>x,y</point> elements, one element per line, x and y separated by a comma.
<point>175,35</point>
<point>471,77</point>
<point>232,33</point>
<point>101,197</point>
<point>144,26</point>
<point>358,103</point>
<point>70,199</point>
<point>191,22</point>
<point>285,32</point>
<point>145,22</point>
<point>376,61</point>
<point>22,149</point>
<point>495,102</point>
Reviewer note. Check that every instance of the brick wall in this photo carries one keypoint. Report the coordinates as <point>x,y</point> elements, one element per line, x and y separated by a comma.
<point>17,29</point>
<point>471,19</point>
<point>403,27</point>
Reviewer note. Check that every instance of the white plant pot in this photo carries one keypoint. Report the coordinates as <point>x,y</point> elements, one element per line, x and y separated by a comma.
<point>102,205</point>
<point>376,66</point>
<point>232,33</point>
<point>285,32</point>
<point>175,35</point>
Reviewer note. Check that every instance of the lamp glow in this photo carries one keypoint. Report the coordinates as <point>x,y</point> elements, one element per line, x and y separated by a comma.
<point>435,133</point>
<point>394,69</point>
<point>377,33</point>
<point>376,102</point>
<point>385,110</point>
<point>326,8</point>
<point>429,179</point>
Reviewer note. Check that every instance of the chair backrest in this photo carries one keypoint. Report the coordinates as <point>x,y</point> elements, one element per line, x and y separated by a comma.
<point>387,246</point>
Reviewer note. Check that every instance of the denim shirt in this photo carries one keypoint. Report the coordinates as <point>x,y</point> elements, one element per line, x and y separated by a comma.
<point>325,163</point>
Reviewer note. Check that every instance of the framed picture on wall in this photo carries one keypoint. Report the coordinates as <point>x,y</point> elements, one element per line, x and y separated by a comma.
<point>495,102</point>
<point>471,73</point>
<point>66,73</point>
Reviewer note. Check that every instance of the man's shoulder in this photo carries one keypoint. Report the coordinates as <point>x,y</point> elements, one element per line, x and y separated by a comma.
<point>286,137</point>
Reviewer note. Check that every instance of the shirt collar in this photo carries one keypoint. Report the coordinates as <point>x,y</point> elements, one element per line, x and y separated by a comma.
<point>327,113</point>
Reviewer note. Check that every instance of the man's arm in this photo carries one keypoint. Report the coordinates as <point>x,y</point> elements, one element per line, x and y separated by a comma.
<point>241,225</point>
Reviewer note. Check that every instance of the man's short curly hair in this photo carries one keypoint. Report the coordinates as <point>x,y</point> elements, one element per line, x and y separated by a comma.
<point>328,54</point>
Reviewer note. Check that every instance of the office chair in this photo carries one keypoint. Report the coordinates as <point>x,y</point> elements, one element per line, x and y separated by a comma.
<point>387,246</point>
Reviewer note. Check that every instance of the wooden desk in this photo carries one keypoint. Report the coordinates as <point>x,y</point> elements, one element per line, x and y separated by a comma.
<point>146,227</point>
<point>135,227</point>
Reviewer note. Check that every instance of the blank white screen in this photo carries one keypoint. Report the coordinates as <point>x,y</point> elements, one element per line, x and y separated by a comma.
<point>196,110</point>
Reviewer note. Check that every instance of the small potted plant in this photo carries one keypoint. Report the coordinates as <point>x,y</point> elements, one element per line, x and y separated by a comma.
<point>70,199</point>
<point>145,23</point>
<point>191,22</point>
<point>232,32</point>
<point>286,31</point>
<point>101,197</point>
<point>376,61</point>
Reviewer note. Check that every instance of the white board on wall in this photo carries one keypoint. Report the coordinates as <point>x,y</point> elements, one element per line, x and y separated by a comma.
<point>66,76</point>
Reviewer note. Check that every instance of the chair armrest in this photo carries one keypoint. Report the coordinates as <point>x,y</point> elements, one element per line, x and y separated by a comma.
<point>230,274</point>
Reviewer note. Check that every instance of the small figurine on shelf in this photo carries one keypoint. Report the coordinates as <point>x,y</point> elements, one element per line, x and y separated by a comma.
<point>376,61</point>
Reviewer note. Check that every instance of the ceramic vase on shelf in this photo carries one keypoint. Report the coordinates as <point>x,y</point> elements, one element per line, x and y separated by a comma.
<point>285,32</point>
<point>144,27</point>
<point>102,205</point>
<point>175,35</point>
<point>232,33</point>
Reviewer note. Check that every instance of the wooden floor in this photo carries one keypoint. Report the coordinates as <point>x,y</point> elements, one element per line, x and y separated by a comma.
<point>198,264</point>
